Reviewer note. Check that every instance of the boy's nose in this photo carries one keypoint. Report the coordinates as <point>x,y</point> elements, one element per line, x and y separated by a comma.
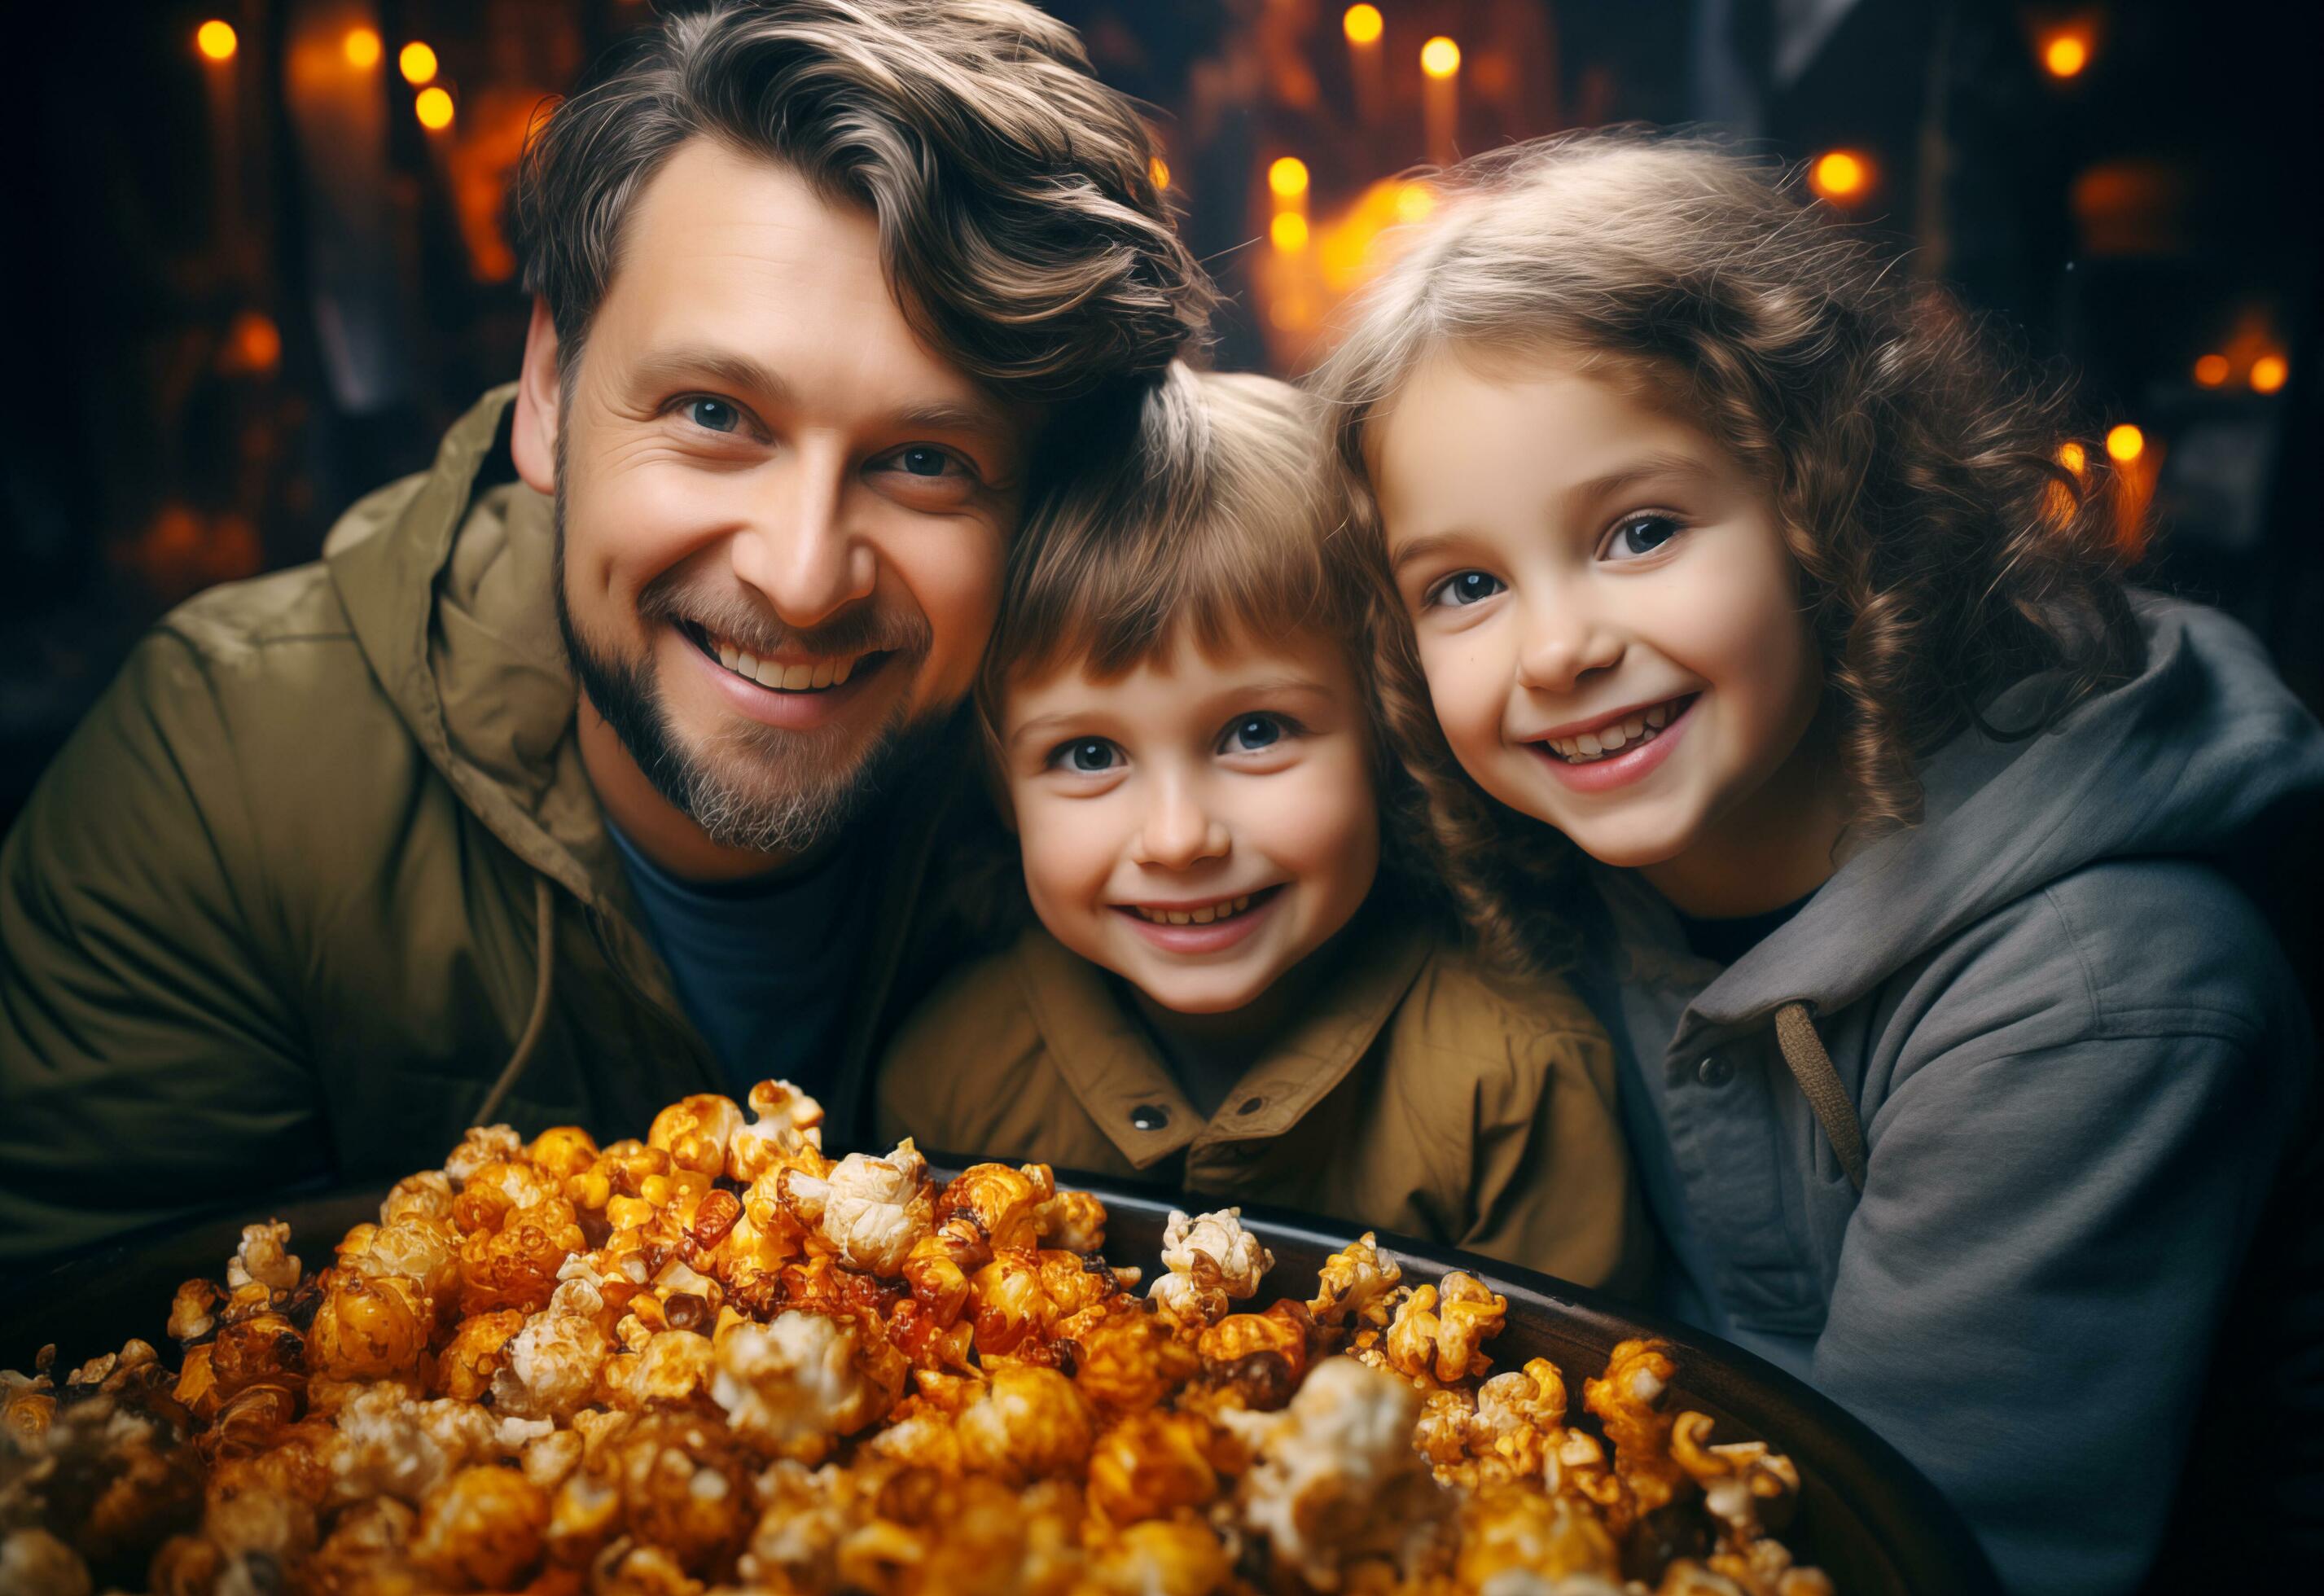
<point>1179,831</point>
<point>799,551</point>
<point>1562,645</point>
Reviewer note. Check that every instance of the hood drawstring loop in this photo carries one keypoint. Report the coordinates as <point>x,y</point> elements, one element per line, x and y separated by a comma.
<point>1803,1049</point>
<point>544,912</point>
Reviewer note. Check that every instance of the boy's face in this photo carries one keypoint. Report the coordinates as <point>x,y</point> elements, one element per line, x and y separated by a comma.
<point>1199,826</point>
<point>1610,621</point>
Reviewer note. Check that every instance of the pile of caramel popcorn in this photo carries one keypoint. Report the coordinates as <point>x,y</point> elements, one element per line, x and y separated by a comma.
<point>718,1359</point>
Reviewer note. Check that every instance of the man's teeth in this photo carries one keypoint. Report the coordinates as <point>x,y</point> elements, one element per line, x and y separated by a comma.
<point>789,679</point>
<point>1194,916</point>
<point>1643,727</point>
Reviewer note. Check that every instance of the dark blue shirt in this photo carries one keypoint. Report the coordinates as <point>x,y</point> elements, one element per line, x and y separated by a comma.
<point>765,967</point>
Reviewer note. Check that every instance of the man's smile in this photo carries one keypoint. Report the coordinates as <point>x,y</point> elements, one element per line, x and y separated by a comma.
<point>799,673</point>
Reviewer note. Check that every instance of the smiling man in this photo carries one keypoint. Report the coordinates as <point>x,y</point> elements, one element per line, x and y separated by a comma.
<point>603,761</point>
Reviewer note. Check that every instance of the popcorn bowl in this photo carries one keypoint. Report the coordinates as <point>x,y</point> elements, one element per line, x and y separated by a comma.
<point>1863,1515</point>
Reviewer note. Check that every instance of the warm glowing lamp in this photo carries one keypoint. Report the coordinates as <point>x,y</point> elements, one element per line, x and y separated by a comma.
<point>417,62</point>
<point>2066,55</point>
<point>1290,231</point>
<point>1440,57</point>
<point>434,109</point>
<point>2073,457</point>
<point>2268,373</point>
<point>1159,170</point>
<point>215,39</point>
<point>2125,443</point>
<point>1840,175</point>
<point>1362,24</point>
<point>363,48</point>
<point>2211,371</point>
<point>1288,178</point>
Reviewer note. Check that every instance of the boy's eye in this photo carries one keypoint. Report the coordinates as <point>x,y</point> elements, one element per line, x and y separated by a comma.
<point>1639,536</point>
<point>1463,589</point>
<point>712,415</point>
<point>1088,755</point>
<point>1252,734</point>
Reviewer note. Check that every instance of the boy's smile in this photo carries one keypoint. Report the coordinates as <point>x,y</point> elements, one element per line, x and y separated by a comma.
<point>1196,825</point>
<point>1611,626</point>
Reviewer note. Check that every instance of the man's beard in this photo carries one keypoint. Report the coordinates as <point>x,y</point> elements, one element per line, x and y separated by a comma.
<point>756,786</point>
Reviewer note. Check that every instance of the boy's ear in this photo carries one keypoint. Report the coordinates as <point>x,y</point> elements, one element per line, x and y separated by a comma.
<point>532,431</point>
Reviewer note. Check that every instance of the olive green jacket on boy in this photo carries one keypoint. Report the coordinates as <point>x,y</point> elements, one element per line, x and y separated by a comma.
<point>279,910</point>
<point>1415,1096</point>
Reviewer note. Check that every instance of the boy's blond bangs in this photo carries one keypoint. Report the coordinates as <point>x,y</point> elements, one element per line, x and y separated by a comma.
<point>1218,522</point>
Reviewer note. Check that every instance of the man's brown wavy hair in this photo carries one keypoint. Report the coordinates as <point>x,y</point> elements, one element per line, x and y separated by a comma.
<point>1023,235</point>
<point>1943,550</point>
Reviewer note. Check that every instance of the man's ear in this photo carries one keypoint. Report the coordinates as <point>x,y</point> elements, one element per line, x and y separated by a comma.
<point>532,435</point>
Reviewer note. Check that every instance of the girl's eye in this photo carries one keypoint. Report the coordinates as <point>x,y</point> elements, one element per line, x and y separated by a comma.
<point>1088,756</point>
<point>712,415</point>
<point>1640,535</point>
<point>1463,589</point>
<point>1253,733</point>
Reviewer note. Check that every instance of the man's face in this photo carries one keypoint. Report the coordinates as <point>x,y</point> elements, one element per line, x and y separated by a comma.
<point>781,515</point>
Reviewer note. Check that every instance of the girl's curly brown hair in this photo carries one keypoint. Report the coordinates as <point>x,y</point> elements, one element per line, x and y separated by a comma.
<point>1944,551</point>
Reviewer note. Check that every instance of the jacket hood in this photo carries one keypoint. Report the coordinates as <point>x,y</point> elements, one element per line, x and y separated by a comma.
<point>445,577</point>
<point>2203,753</point>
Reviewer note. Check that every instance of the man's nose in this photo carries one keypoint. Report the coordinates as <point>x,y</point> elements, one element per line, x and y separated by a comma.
<point>799,550</point>
<point>1179,831</point>
<point>1564,640</point>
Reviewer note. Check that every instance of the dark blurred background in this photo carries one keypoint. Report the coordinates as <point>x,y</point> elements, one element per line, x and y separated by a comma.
<point>261,262</point>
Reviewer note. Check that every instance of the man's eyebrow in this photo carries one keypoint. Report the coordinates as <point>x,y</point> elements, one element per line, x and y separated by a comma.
<point>695,362</point>
<point>944,415</point>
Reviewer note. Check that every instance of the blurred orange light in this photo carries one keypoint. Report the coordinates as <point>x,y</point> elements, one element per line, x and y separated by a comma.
<point>1440,57</point>
<point>363,48</point>
<point>215,39</point>
<point>1414,202</point>
<point>1362,24</point>
<point>2073,457</point>
<point>2126,443</point>
<point>1159,170</point>
<point>1288,178</point>
<point>417,62</point>
<point>2066,55</point>
<point>1290,231</point>
<point>1840,175</point>
<point>2211,370</point>
<point>2268,373</point>
<point>254,343</point>
<point>434,109</point>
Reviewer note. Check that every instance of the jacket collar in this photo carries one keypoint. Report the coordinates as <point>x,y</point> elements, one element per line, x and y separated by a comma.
<point>1113,1068</point>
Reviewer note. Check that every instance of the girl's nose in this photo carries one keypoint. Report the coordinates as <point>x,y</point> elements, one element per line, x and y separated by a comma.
<point>1179,831</point>
<point>1562,645</point>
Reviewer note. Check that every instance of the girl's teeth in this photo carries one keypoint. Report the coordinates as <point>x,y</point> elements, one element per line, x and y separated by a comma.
<point>1204,916</point>
<point>1642,727</point>
<point>1633,729</point>
<point>1588,744</point>
<point>1611,738</point>
<point>1656,716</point>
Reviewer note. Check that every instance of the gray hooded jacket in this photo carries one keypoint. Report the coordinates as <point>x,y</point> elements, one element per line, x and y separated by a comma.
<point>2076,1056</point>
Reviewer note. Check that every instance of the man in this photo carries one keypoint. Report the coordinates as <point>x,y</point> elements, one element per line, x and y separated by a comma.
<point>602,761</point>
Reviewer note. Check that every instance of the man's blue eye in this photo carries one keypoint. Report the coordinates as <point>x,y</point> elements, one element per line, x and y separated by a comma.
<point>1254,732</point>
<point>1468,587</point>
<point>712,415</point>
<point>923,462</point>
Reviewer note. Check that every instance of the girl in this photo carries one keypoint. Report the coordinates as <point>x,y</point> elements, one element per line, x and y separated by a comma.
<point>1220,990</point>
<point>1729,578</point>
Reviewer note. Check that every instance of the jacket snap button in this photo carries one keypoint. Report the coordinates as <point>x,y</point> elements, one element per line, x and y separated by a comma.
<point>1149,1116</point>
<point>1714,1071</point>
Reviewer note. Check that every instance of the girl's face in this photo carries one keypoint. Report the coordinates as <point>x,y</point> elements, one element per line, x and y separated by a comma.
<point>1199,826</point>
<point>1609,619</point>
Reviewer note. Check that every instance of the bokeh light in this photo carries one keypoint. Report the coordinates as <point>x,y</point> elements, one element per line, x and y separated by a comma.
<point>434,109</point>
<point>1363,24</point>
<point>215,39</point>
<point>1440,57</point>
<point>1414,202</point>
<point>2073,456</point>
<point>2211,370</point>
<point>1159,170</point>
<point>1290,231</point>
<point>2269,373</point>
<point>363,48</point>
<point>1288,178</point>
<point>2065,55</point>
<point>2125,443</point>
<point>1840,175</point>
<point>417,62</point>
